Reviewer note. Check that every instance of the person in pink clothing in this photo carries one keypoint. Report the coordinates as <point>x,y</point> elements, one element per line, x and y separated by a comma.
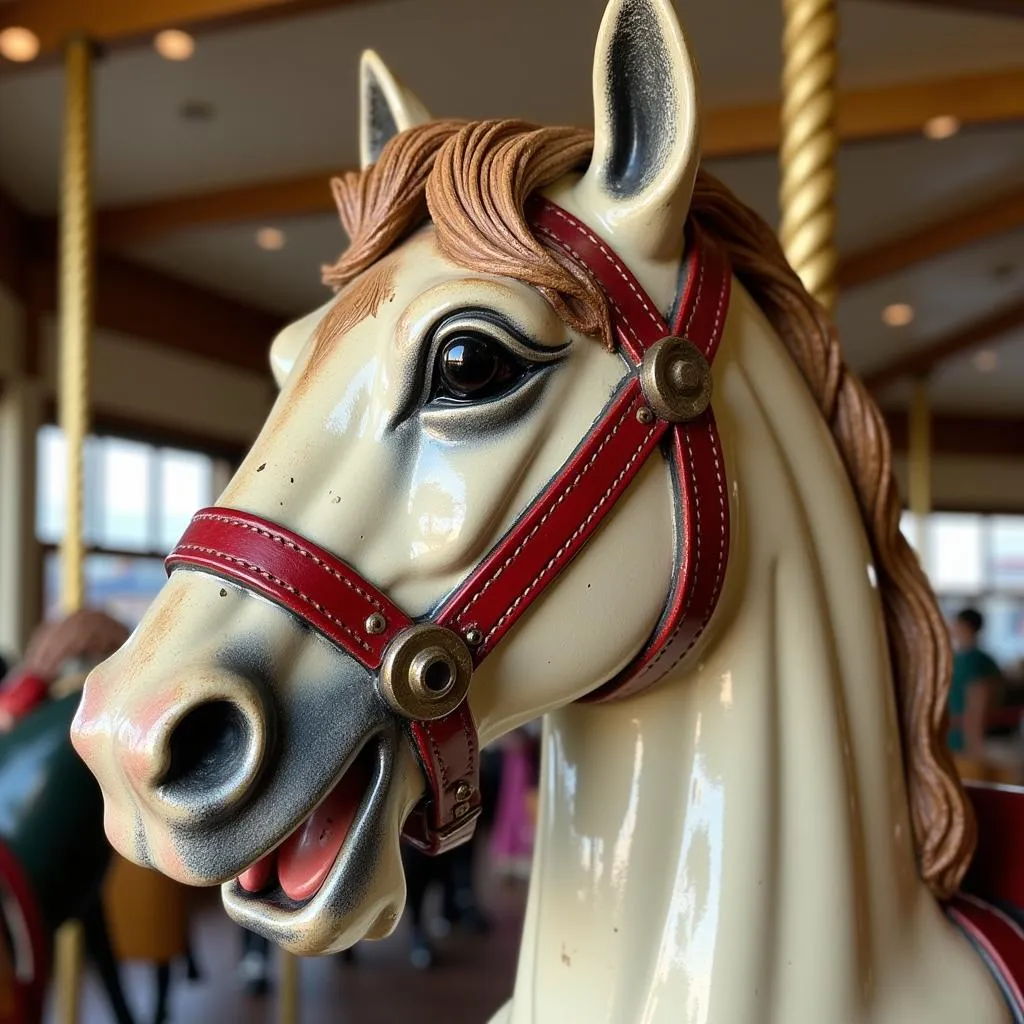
<point>513,831</point>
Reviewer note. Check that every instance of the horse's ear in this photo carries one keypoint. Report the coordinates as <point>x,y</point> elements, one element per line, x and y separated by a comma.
<point>646,128</point>
<point>386,107</point>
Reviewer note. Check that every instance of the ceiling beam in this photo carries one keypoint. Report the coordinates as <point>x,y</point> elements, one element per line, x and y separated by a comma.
<point>1014,8</point>
<point>111,23</point>
<point>962,435</point>
<point>876,113</point>
<point>923,360</point>
<point>955,231</point>
<point>731,132</point>
<point>268,200</point>
<point>144,303</point>
<point>131,299</point>
<point>139,301</point>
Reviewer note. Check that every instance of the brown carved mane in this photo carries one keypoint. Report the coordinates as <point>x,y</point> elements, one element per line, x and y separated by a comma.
<point>472,182</point>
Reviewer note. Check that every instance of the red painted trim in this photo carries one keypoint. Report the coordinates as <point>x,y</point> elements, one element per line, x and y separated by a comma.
<point>998,937</point>
<point>22,692</point>
<point>32,993</point>
<point>997,868</point>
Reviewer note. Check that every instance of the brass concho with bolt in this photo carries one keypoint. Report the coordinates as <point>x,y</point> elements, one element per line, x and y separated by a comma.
<point>676,380</point>
<point>426,672</point>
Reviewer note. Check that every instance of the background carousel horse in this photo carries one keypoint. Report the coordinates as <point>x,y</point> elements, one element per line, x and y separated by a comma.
<point>767,833</point>
<point>55,861</point>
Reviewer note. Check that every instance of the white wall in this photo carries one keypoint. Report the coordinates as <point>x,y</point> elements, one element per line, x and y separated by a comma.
<point>160,386</point>
<point>20,408</point>
<point>131,378</point>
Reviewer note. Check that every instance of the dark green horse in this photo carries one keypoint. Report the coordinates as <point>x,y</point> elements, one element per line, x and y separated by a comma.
<point>53,856</point>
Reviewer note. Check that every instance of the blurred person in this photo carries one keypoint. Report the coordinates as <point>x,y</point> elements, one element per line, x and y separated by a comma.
<point>454,872</point>
<point>975,684</point>
<point>513,834</point>
<point>254,967</point>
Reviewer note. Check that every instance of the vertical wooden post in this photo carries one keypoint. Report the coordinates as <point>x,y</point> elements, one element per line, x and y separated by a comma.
<point>810,141</point>
<point>76,315</point>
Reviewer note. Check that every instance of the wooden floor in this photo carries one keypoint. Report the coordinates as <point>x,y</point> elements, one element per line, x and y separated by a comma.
<point>472,978</point>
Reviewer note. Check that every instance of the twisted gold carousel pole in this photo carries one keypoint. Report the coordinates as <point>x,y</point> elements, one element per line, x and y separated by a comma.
<point>809,144</point>
<point>76,297</point>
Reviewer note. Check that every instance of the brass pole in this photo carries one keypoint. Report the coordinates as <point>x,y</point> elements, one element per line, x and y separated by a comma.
<point>919,470</point>
<point>288,994</point>
<point>76,299</point>
<point>809,145</point>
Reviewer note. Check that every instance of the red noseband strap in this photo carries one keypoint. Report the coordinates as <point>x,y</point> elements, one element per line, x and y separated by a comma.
<point>335,600</point>
<point>340,603</point>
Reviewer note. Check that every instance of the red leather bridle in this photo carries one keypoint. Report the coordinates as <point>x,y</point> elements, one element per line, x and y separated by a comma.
<point>423,667</point>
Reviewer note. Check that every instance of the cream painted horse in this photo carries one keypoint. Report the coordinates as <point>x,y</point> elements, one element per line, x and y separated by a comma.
<point>760,837</point>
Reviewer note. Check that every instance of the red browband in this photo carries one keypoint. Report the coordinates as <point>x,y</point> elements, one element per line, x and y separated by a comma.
<point>663,402</point>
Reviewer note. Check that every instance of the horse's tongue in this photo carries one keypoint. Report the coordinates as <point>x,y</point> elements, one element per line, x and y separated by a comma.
<point>255,879</point>
<point>305,858</point>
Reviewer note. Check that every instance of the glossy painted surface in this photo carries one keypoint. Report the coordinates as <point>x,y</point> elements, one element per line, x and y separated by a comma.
<point>51,812</point>
<point>732,847</point>
<point>466,474</point>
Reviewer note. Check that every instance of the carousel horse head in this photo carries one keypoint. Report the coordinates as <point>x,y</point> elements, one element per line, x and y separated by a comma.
<point>566,414</point>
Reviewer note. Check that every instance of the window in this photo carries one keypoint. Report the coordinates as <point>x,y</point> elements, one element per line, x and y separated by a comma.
<point>979,560</point>
<point>138,500</point>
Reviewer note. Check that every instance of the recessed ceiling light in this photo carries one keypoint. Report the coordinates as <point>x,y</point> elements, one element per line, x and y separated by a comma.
<point>270,239</point>
<point>986,360</point>
<point>942,127</point>
<point>898,314</point>
<point>197,110</point>
<point>173,44</point>
<point>19,44</point>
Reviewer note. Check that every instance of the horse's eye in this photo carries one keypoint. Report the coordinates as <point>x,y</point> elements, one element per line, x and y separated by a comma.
<point>472,366</point>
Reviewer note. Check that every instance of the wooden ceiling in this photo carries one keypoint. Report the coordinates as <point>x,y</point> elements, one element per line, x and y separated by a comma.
<point>958,58</point>
<point>117,23</point>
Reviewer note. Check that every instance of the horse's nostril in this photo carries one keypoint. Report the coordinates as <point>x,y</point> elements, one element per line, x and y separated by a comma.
<point>207,746</point>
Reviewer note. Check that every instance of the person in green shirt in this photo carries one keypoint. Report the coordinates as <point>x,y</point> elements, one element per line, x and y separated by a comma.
<point>975,678</point>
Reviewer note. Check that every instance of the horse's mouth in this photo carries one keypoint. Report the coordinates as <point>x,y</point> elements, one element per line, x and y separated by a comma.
<point>302,892</point>
<point>297,869</point>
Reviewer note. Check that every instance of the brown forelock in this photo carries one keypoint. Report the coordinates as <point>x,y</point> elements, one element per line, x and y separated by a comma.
<point>362,298</point>
<point>473,181</point>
